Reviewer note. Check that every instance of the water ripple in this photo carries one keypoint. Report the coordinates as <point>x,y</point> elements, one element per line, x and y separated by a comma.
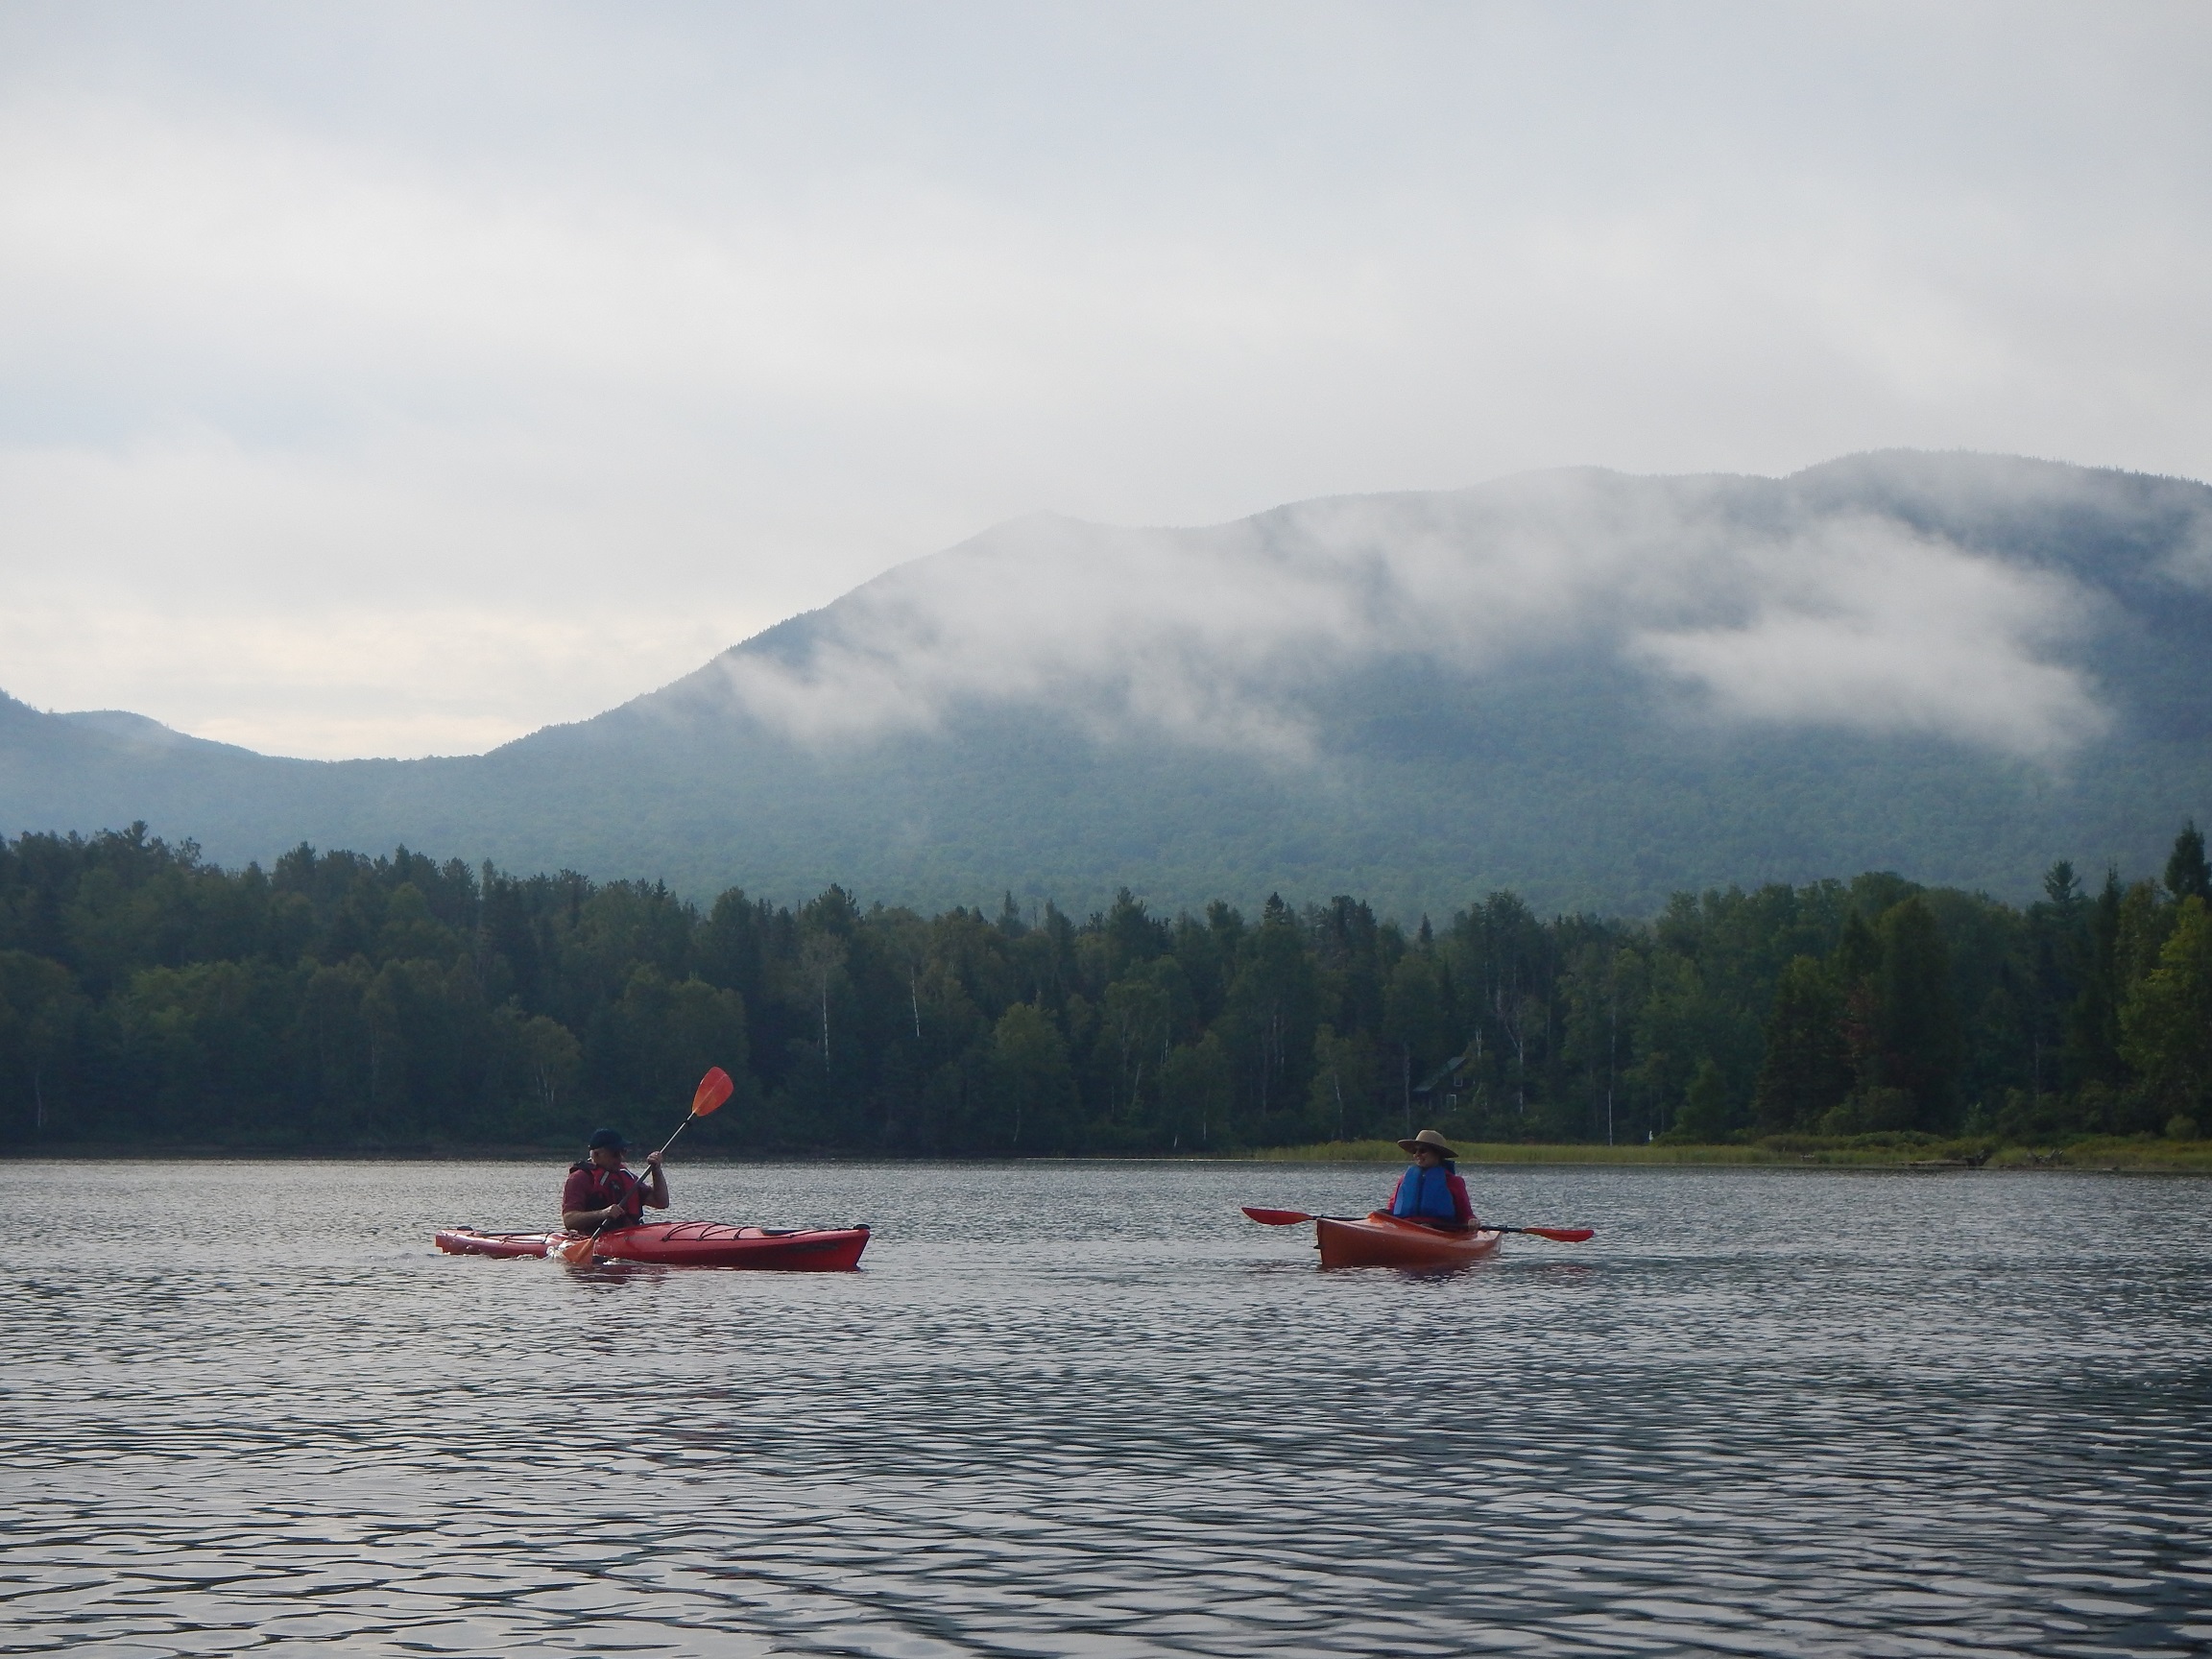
<point>1089,1410</point>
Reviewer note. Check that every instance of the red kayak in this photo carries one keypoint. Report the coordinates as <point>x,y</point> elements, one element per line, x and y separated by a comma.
<point>1384,1241</point>
<point>683,1245</point>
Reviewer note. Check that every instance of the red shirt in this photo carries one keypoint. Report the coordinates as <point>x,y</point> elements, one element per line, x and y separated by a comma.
<point>592,1187</point>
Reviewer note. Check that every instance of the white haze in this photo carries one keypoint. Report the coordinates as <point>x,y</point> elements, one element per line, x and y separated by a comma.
<point>400,377</point>
<point>1222,637</point>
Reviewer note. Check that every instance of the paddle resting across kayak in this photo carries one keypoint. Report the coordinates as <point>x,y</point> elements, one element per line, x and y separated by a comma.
<point>683,1244</point>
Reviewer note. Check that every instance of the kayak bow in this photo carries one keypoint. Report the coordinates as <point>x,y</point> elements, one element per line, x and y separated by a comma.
<point>1384,1241</point>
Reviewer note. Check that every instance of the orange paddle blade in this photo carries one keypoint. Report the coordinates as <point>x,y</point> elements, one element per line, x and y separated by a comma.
<point>714,1089</point>
<point>1564,1235</point>
<point>1277,1217</point>
<point>576,1252</point>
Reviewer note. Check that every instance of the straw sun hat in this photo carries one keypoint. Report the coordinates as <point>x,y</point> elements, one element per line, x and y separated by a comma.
<point>1433,1142</point>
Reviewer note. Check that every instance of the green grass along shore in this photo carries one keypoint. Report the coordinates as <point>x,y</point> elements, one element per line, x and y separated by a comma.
<point>1892,1151</point>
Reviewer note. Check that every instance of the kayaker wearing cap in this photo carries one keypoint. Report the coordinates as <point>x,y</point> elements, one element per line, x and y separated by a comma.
<point>1431,1193</point>
<point>601,1192</point>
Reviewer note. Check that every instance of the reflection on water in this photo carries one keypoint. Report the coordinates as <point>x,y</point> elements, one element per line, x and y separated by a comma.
<point>1090,1410</point>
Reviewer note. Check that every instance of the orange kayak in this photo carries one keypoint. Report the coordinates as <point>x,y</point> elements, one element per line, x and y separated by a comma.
<point>1383,1241</point>
<point>683,1245</point>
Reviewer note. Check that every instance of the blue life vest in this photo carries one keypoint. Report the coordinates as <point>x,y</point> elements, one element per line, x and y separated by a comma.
<point>1426,1193</point>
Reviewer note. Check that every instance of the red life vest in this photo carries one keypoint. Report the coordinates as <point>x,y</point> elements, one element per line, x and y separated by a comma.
<point>601,1187</point>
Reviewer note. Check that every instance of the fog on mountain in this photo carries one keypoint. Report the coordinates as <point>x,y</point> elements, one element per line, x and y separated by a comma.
<point>1592,689</point>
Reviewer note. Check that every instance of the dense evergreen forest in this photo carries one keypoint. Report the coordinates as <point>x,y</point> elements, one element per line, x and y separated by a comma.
<point>337,1000</point>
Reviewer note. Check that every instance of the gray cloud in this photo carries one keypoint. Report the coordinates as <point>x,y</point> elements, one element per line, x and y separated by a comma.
<point>1219,635</point>
<point>1867,626</point>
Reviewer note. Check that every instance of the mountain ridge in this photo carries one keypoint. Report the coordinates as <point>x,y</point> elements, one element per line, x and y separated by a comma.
<point>1588,686</point>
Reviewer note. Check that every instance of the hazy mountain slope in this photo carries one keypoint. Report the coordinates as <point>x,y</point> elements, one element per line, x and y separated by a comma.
<point>1591,687</point>
<point>90,771</point>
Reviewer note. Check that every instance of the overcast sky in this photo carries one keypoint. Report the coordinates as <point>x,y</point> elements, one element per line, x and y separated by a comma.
<point>395,379</point>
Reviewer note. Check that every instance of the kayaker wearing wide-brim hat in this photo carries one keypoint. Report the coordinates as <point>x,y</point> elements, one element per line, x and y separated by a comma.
<point>601,1193</point>
<point>1431,1193</point>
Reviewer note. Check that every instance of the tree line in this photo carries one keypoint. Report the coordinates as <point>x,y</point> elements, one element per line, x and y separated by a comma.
<point>341,1000</point>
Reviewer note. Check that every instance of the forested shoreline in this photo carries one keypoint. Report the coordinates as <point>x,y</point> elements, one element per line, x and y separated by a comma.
<point>340,1001</point>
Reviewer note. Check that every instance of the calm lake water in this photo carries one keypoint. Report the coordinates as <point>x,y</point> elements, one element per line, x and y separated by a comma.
<point>1089,1410</point>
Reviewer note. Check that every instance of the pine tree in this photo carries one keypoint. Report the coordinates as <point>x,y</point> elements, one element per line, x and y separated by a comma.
<point>2168,1019</point>
<point>2061,886</point>
<point>1806,1070</point>
<point>1917,1032</point>
<point>1705,1116</point>
<point>2187,873</point>
<point>2093,1023</point>
<point>1853,969</point>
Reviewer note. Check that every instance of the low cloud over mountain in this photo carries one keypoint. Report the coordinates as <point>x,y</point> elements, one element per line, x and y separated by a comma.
<point>1593,688</point>
<point>1733,599</point>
